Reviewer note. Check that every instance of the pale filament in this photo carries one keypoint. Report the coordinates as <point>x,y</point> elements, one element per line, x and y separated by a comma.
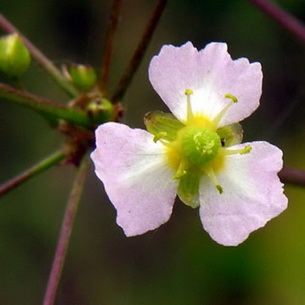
<point>219,116</point>
<point>211,174</point>
<point>189,112</point>
<point>241,151</point>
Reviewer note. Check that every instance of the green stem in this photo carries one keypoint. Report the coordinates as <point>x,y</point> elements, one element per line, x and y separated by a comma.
<point>292,176</point>
<point>44,106</point>
<point>111,30</point>
<point>286,20</point>
<point>32,172</point>
<point>44,62</point>
<point>139,52</point>
<point>65,233</point>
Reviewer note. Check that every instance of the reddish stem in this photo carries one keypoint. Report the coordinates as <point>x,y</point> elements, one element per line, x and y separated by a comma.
<point>111,30</point>
<point>44,105</point>
<point>286,20</point>
<point>32,172</point>
<point>139,52</point>
<point>292,176</point>
<point>65,233</point>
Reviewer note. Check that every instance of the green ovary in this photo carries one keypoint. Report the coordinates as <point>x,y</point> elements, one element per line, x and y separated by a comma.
<point>196,149</point>
<point>199,145</point>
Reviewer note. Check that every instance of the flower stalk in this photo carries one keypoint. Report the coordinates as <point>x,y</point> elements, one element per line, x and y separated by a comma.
<point>286,20</point>
<point>111,30</point>
<point>292,176</point>
<point>139,52</point>
<point>33,171</point>
<point>65,233</point>
<point>44,105</point>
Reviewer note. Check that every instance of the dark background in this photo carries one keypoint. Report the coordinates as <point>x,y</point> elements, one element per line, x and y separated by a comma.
<point>178,263</point>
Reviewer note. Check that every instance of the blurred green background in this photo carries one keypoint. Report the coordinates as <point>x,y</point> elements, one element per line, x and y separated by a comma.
<point>178,263</point>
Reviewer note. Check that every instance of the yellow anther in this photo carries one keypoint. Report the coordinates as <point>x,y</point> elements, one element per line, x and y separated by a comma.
<point>219,188</point>
<point>181,171</point>
<point>232,97</point>
<point>219,116</point>
<point>159,136</point>
<point>241,151</point>
<point>188,91</point>
<point>211,174</point>
<point>246,150</point>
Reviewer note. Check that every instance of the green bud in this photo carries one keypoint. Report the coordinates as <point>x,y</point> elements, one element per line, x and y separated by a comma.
<point>100,110</point>
<point>14,56</point>
<point>200,145</point>
<point>83,77</point>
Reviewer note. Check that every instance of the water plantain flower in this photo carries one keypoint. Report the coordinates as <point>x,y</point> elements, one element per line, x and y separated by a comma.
<point>195,151</point>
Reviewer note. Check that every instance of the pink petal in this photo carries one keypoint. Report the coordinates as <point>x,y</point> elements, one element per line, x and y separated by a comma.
<point>136,177</point>
<point>210,73</point>
<point>252,194</point>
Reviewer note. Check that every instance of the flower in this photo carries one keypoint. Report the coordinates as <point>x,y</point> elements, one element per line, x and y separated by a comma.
<point>194,152</point>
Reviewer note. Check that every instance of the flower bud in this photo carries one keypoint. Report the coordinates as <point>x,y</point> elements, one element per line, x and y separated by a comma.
<point>100,110</point>
<point>83,77</point>
<point>14,56</point>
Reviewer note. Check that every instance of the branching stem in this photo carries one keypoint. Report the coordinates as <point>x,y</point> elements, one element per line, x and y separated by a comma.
<point>111,30</point>
<point>44,62</point>
<point>292,176</point>
<point>139,52</point>
<point>44,105</point>
<point>65,233</point>
<point>32,172</point>
<point>286,20</point>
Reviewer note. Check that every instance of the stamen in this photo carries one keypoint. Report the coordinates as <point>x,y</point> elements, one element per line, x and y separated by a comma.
<point>246,150</point>
<point>159,136</point>
<point>241,151</point>
<point>188,91</point>
<point>233,99</point>
<point>210,173</point>
<point>181,171</point>
<point>189,112</point>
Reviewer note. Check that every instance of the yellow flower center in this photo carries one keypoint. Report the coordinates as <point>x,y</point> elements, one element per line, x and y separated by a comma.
<point>196,146</point>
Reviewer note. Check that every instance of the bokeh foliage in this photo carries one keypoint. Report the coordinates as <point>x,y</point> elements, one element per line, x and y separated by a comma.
<point>178,263</point>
